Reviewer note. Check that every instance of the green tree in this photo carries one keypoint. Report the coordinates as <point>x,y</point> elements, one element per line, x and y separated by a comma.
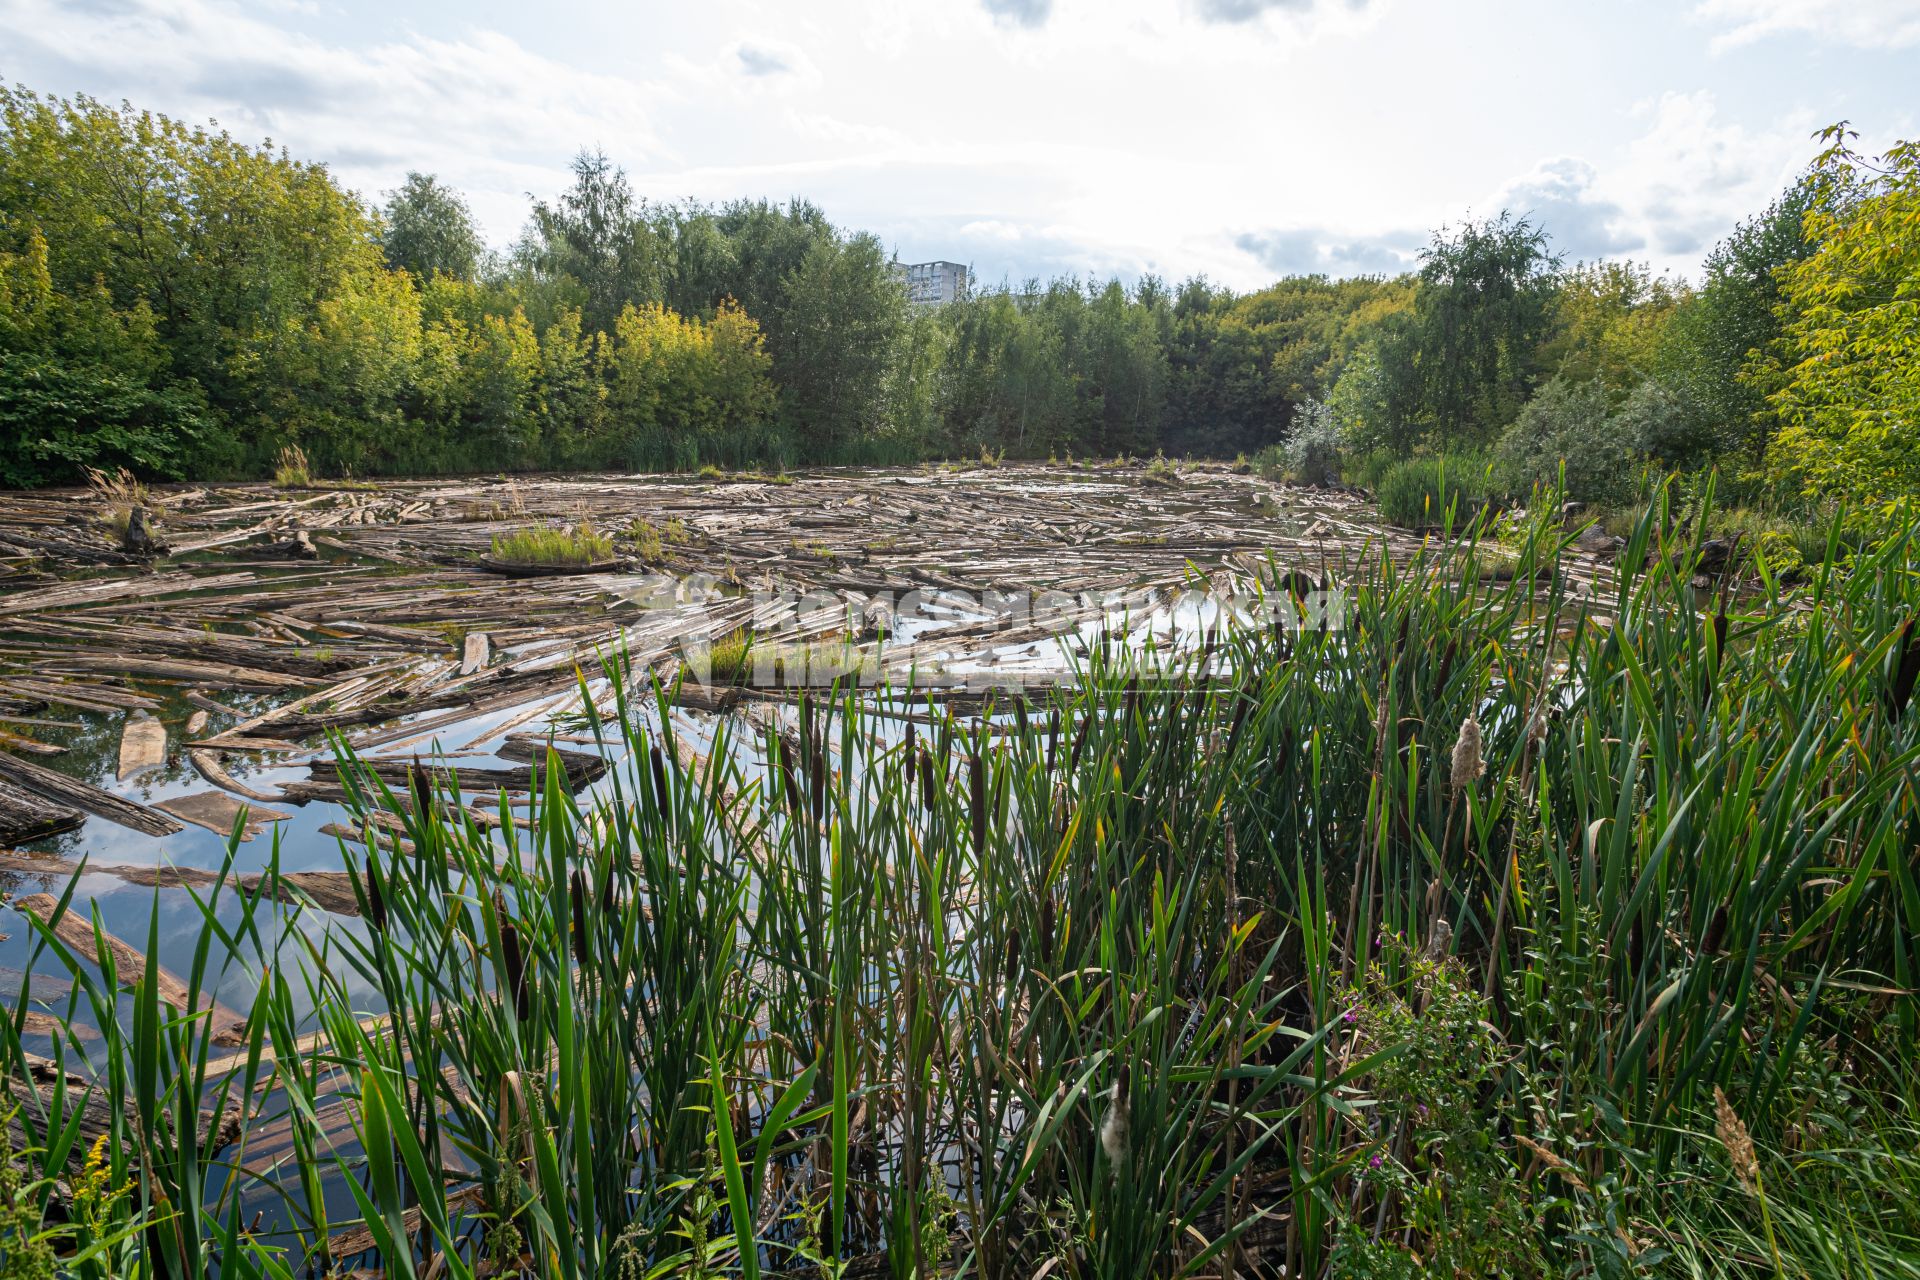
<point>597,234</point>
<point>84,383</point>
<point>1722,334</point>
<point>1469,356</point>
<point>427,229</point>
<point>841,322</point>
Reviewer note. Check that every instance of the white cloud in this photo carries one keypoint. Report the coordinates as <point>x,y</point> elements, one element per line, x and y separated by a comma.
<point>1558,197</point>
<point>991,229</point>
<point>1238,138</point>
<point>497,118</point>
<point>1320,251</point>
<point>1868,24</point>
<point>1693,174</point>
<point>1019,13</point>
<point>1237,11</point>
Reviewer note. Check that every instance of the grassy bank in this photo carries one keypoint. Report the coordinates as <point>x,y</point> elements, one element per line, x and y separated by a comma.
<point>1490,933</point>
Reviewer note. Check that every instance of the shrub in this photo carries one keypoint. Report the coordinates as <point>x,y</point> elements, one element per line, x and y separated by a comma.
<point>1668,422</point>
<point>1421,493</point>
<point>1370,468</point>
<point>1314,452</point>
<point>1567,424</point>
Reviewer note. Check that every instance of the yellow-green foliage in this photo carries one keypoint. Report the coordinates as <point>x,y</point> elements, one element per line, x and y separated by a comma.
<point>682,373</point>
<point>1847,380</point>
<point>1613,321</point>
<point>544,545</point>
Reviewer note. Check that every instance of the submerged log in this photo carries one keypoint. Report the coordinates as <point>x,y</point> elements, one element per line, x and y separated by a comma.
<point>130,964</point>
<point>41,1097</point>
<point>328,890</point>
<point>218,812</point>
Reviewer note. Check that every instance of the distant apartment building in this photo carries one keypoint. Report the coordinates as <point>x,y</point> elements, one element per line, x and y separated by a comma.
<point>931,284</point>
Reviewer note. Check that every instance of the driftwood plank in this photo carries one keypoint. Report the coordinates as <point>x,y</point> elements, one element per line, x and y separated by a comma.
<point>217,812</point>
<point>143,746</point>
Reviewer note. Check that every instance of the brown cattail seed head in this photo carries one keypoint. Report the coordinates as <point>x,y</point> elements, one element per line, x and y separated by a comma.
<point>1468,763</point>
<point>577,895</point>
<point>513,960</point>
<point>661,798</point>
<point>376,903</point>
<point>1537,728</point>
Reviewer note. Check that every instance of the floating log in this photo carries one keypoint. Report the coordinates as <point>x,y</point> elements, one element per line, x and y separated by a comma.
<point>82,795</point>
<point>512,569</point>
<point>25,816</point>
<point>207,764</point>
<point>581,766</point>
<point>143,746</point>
<point>218,812</point>
<point>579,769</point>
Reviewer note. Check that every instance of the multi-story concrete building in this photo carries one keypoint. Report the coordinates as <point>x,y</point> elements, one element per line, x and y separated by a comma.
<point>930,284</point>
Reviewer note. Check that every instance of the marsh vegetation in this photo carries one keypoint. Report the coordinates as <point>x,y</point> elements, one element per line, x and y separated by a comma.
<point>1504,930</point>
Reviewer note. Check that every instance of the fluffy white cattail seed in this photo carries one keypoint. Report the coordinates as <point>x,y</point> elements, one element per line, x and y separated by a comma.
<point>1116,1130</point>
<point>1468,763</point>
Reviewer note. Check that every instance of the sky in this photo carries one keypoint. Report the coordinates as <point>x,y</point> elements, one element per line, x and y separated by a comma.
<point>1236,139</point>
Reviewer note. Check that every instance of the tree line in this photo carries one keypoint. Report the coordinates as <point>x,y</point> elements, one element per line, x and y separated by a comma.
<point>183,303</point>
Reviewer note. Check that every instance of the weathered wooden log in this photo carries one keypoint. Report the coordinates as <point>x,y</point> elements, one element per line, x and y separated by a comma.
<point>25,816</point>
<point>328,890</point>
<point>218,812</point>
<point>81,795</point>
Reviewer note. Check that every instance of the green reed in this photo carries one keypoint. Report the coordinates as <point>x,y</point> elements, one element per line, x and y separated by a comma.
<point>1252,958</point>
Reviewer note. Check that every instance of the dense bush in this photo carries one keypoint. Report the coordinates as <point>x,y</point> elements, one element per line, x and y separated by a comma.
<point>1568,425</point>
